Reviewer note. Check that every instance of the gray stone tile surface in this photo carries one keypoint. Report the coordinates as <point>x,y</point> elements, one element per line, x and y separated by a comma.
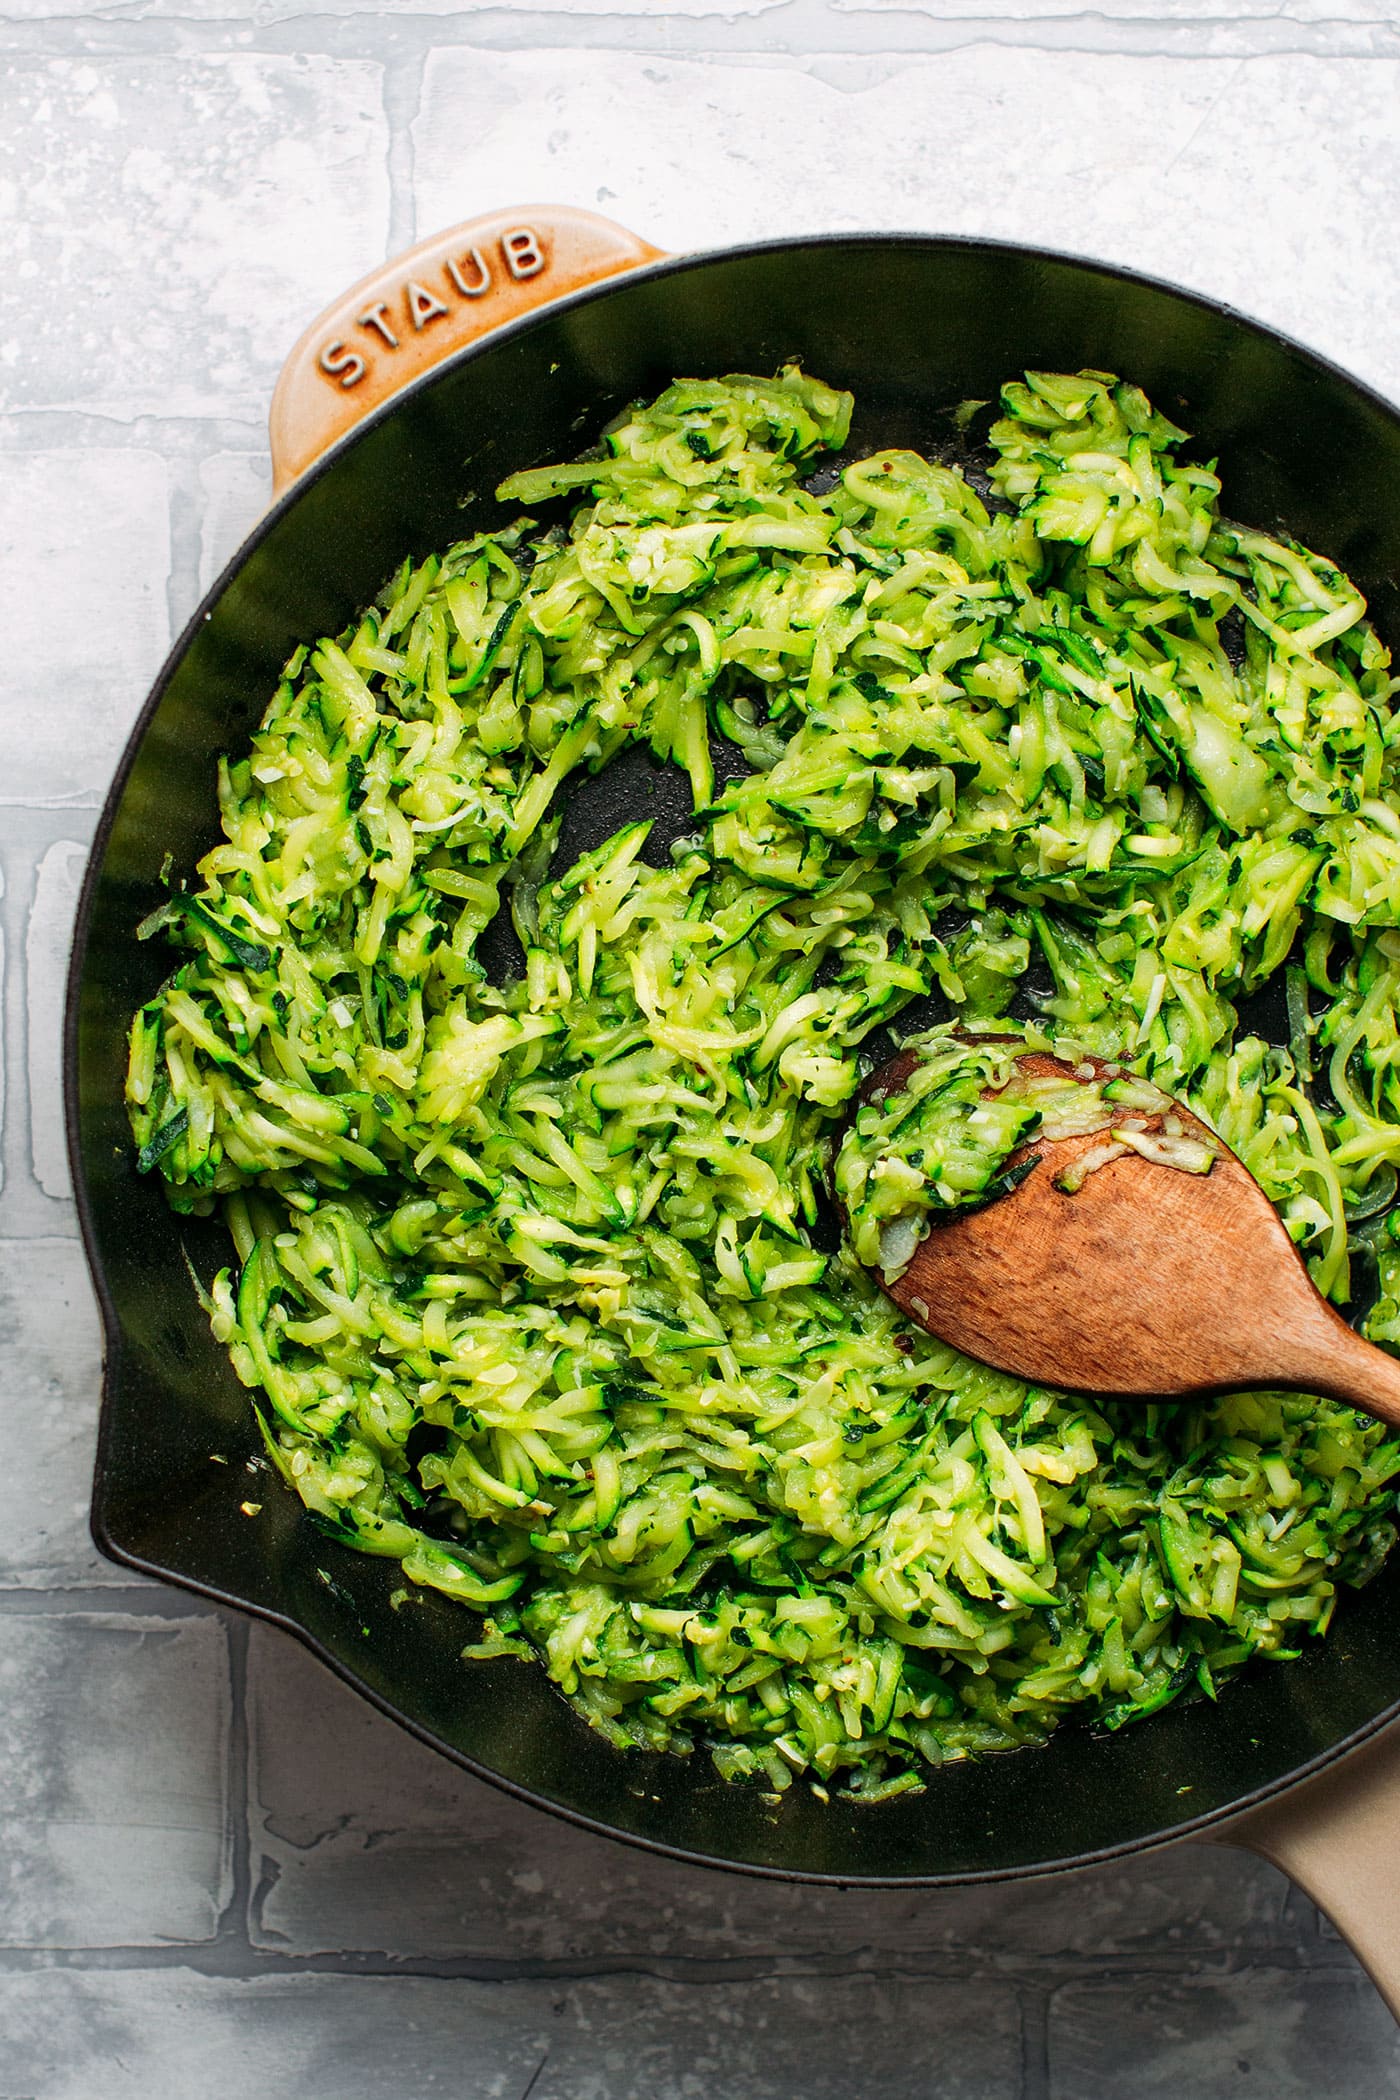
<point>198,210</point>
<point>114,1735</point>
<point>1221,2038</point>
<point>84,558</point>
<point>219,1871</point>
<point>50,1365</point>
<point>48,938</point>
<point>1253,180</point>
<point>159,2036</point>
<point>233,494</point>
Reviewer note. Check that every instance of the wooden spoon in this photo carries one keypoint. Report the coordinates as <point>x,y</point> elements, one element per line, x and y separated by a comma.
<point>1148,1281</point>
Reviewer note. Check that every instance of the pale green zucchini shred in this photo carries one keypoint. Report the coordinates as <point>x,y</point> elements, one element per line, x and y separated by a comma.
<point>526,1282</point>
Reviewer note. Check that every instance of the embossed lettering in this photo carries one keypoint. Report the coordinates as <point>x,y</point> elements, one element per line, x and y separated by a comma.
<point>482,285</point>
<point>378,317</point>
<point>423,305</point>
<point>339,363</point>
<point>522,252</point>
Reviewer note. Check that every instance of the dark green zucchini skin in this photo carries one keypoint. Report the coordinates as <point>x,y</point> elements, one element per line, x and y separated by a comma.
<point>1295,440</point>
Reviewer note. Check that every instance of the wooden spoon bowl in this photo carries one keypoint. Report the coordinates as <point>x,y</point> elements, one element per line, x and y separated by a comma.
<point>1147,1281</point>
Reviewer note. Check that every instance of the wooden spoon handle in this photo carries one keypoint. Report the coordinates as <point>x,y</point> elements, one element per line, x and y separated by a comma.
<point>1324,1355</point>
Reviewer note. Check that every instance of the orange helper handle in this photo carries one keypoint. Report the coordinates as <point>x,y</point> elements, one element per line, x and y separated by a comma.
<point>423,306</point>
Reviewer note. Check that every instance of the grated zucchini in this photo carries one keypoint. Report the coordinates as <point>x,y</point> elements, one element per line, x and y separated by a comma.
<point>531,1286</point>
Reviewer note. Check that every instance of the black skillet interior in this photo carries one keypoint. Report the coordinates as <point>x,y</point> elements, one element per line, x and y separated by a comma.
<point>913,326</point>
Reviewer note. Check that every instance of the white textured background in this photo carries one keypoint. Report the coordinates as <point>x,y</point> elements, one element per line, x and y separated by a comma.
<point>219,1873</point>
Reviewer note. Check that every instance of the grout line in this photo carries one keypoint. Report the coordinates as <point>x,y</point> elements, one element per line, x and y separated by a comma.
<point>72,426</point>
<point>796,33</point>
<point>121,1599</point>
<point>1035,2041</point>
<point>233,1928</point>
<point>1038,1978</point>
<point>403,90</point>
<point>186,515</point>
<point>12,1048</point>
<point>19,873</point>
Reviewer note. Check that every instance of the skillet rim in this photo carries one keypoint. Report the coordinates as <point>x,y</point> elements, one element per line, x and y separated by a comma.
<point>1191,1826</point>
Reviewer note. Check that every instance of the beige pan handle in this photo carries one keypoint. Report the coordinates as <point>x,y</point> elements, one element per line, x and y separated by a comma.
<point>1338,1837</point>
<point>419,308</point>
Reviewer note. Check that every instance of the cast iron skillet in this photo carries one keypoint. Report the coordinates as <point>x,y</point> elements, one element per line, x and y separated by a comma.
<point>913,325</point>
